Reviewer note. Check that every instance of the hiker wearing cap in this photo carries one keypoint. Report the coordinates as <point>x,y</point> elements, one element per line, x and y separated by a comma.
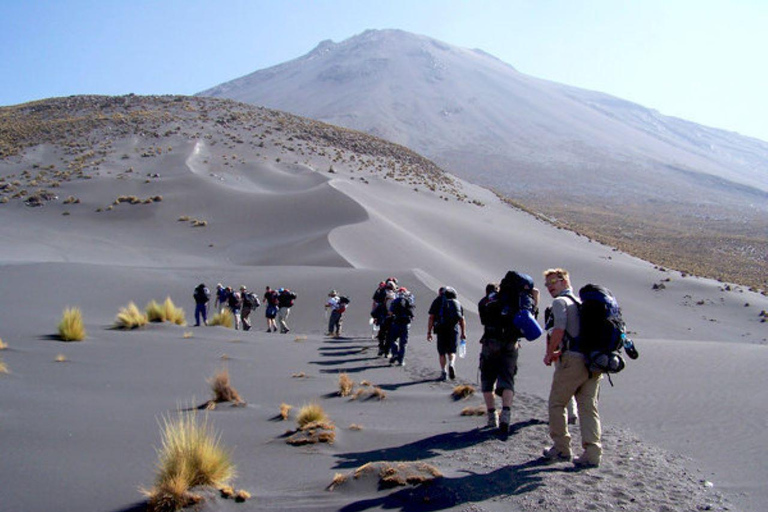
<point>337,305</point>
<point>572,377</point>
<point>250,302</point>
<point>271,302</point>
<point>446,319</point>
<point>202,295</point>
<point>285,299</point>
<point>401,312</point>
<point>235,304</point>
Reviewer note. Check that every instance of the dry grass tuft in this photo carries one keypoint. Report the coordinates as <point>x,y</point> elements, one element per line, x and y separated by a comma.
<point>3,345</point>
<point>227,491</point>
<point>222,388</point>
<point>187,335</point>
<point>130,317</point>
<point>154,311</point>
<point>407,473</point>
<point>224,319</point>
<point>191,455</point>
<point>365,383</point>
<point>300,375</point>
<point>311,413</point>
<point>285,411</point>
<point>338,479</point>
<point>345,385</point>
<point>61,358</point>
<point>379,393</point>
<point>462,391</point>
<point>71,327</point>
<point>300,338</point>
<point>3,367</point>
<point>173,314</point>
<point>355,427</point>
<point>358,394</point>
<point>242,495</point>
<point>473,411</point>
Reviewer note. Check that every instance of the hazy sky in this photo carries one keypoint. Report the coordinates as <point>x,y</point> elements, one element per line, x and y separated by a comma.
<point>702,60</point>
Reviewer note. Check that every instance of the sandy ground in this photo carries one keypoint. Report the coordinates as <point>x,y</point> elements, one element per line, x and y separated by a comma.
<point>682,424</point>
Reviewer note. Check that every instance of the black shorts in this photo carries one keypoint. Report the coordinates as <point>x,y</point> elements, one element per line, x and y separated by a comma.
<point>498,365</point>
<point>447,341</point>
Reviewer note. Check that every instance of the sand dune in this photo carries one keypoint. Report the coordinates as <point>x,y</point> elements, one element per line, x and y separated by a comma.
<point>84,430</point>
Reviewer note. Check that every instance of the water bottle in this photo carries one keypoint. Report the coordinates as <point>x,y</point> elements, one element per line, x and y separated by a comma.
<point>629,347</point>
<point>463,348</point>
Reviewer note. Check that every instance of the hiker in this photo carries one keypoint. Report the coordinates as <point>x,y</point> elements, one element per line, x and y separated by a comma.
<point>446,319</point>
<point>285,301</point>
<point>572,377</point>
<point>383,298</point>
<point>401,311</point>
<point>202,295</point>
<point>338,305</point>
<point>250,302</point>
<point>222,298</point>
<point>235,305</point>
<point>270,299</point>
<point>498,359</point>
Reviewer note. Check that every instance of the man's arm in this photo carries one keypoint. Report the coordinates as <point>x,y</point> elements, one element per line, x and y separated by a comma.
<point>430,324</point>
<point>553,346</point>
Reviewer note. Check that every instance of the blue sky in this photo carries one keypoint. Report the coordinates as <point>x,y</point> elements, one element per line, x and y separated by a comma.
<point>700,60</point>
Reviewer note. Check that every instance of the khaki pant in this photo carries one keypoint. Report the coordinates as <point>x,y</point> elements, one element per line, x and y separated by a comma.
<point>282,316</point>
<point>572,378</point>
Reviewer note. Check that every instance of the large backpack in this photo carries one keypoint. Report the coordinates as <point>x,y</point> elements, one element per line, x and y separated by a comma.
<point>402,309</point>
<point>449,314</point>
<point>251,300</point>
<point>602,334</point>
<point>515,295</point>
<point>202,294</point>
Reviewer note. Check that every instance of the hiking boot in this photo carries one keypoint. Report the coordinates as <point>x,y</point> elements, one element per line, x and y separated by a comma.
<point>452,372</point>
<point>556,455</point>
<point>493,419</point>
<point>443,376</point>
<point>504,418</point>
<point>402,364</point>
<point>582,461</point>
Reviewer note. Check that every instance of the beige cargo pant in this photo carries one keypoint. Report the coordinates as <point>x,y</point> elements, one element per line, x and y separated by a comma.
<point>571,379</point>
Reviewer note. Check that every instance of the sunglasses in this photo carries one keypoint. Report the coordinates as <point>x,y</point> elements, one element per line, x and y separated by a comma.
<point>553,280</point>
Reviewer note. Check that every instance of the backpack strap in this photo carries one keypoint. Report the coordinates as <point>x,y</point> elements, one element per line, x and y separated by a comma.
<point>569,340</point>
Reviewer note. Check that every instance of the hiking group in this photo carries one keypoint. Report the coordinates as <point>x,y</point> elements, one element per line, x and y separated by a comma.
<point>584,338</point>
<point>240,304</point>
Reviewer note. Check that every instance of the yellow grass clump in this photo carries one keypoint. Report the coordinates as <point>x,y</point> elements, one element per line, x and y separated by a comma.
<point>3,345</point>
<point>473,411</point>
<point>242,495</point>
<point>71,327</point>
<point>338,479</point>
<point>285,411</point>
<point>462,391</point>
<point>345,385</point>
<point>224,319</point>
<point>154,311</point>
<point>311,413</point>
<point>3,367</point>
<point>173,314</point>
<point>130,317</point>
<point>222,388</point>
<point>61,358</point>
<point>187,335</point>
<point>191,455</point>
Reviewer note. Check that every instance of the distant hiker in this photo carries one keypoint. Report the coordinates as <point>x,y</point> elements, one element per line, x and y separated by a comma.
<point>235,304</point>
<point>383,299</point>
<point>337,305</point>
<point>285,300</point>
<point>271,301</point>
<point>222,298</point>
<point>446,319</point>
<point>250,302</point>
<point>401,311</point>
<point>571,377</point>
<point>202,295</point>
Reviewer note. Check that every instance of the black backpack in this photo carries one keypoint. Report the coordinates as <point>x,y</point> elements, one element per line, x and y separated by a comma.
<point>602,334</point>
<point>343,300</point>
<point>402,309</point>
<point>515,294</point>
<point>251,300</point>
<point>202,295</point>
<point>449,314</point>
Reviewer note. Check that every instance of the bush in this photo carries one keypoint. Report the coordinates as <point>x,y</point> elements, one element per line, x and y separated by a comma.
<point>71,327</point>
<point>311,413</point>
<point>130,317</point>
<point>222,388</point>
<point>225,319</point>
<point>191,455</point>
<point>154,311</point>
<point>345,385</point>
<point>173,314</point>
